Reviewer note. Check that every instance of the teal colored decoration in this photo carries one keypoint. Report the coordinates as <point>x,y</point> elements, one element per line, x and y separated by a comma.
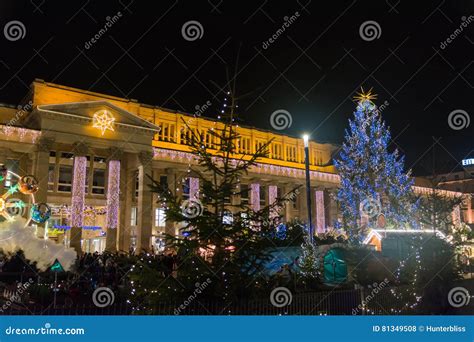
<point>40,213</point>
<point>280,256</point>
<point>335,268</point>
<point>56,267</point>
<point>19,204</point>
<point>12,189</point>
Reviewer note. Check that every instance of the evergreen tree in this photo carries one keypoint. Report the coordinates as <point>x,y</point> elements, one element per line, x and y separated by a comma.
<point>233,236</point>
<point>436,210</point>
<point>372,178</point>
<point>309,264</point>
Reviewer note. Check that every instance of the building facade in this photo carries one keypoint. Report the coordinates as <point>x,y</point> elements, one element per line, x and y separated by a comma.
<point>93,155</point>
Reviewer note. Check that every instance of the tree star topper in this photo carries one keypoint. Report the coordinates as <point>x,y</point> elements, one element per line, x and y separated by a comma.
<point>365,96</point>
<point>103,120</point>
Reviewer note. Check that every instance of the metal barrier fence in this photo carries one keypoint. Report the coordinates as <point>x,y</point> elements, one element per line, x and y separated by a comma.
<point>336,302</point>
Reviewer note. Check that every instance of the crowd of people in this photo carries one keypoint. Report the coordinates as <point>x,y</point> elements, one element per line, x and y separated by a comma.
<point>91,270</point>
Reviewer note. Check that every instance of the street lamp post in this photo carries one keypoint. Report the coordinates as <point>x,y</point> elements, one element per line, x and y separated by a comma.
<point>308,186</point>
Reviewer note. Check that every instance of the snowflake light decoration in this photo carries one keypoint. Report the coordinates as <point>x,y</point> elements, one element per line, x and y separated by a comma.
<point>103,120</point>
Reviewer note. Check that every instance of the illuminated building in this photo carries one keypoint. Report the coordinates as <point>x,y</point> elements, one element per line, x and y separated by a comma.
<point>93,153</point>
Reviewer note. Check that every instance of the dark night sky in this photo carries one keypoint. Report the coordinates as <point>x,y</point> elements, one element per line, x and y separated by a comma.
<point>312,70</point>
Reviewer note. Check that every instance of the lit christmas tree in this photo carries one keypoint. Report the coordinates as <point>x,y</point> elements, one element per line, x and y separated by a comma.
<point>373,181</point>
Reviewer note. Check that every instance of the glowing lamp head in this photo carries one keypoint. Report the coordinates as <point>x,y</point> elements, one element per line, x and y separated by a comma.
<point>306,139</point>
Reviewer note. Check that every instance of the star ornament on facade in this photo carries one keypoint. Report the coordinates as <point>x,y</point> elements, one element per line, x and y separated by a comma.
<point>365,96</point>
<point>103,120</point>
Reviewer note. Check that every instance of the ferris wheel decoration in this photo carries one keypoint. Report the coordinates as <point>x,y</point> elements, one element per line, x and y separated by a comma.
<point>11,207</point>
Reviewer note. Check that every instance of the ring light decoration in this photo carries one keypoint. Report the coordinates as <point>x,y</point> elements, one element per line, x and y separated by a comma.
<point>11,207</point>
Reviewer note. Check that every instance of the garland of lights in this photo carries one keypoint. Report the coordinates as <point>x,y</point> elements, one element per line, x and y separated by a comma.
<point>78,191</point>
<point>113,193</point>
<point>411,290</point>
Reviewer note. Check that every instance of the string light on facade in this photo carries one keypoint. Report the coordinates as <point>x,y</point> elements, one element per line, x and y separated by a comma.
<point>320,214</point>
<point>255,196</point>
<point>78,191</point>
<point>103,120</point>
<point>113,193</point>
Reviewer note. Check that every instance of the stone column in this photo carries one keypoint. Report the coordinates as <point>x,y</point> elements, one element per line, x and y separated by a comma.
<point>41,168</point>
<point>113,198</point>
<point>320,212</point>
<point>78,195</point>
<point>331,208</point>
<point>255,196</point>
<point>145,205</point>
<point>288,210</point>
<point>127,189</point>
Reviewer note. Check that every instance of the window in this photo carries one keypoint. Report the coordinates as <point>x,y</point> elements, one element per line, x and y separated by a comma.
<point>133,216</point>
<point>259,145</point>
<point>100,160</point>
<point>317,157</point>
<point>137,184</point>
<point>164,182</point>
<point>262,195</point>
<point>244,194</point>
<point>65,178</point>
<point>277,151</point>
<point>210,140</point>
<point>160,217</point>
<point>227,217</point>
<point>291,153</point>
<point>186,189</point>
<point>51,169</point>
<point>166,132</point>
<point>67,155</point>
<point>12,165</point>
<point>187,136</point>
<point>244,145</point>
<point>98,181</point>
